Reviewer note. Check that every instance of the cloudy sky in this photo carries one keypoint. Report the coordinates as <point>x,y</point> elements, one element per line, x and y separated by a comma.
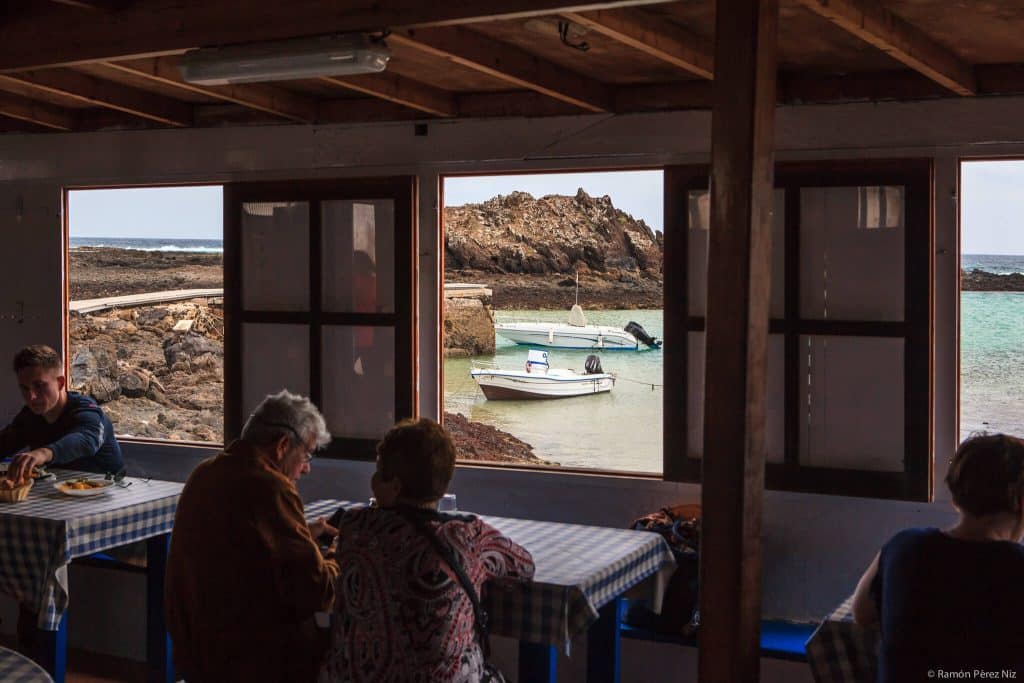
<point>992,209</point>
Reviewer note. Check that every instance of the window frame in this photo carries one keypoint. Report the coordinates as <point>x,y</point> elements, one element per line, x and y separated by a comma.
<point>66,296</point>
<point>403,191</point>
<point>915,482</point>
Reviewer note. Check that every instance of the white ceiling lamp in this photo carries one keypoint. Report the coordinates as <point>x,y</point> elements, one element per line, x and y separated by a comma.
<point>337,55</point>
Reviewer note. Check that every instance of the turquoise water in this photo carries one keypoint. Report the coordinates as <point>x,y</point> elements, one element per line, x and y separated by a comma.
<point>992,362</point>
<point>618,430</point>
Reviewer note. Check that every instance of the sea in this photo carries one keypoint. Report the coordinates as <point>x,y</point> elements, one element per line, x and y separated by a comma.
<point>150,244</point>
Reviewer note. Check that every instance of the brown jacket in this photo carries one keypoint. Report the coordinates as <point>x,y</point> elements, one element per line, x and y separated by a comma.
<point>244,576</point>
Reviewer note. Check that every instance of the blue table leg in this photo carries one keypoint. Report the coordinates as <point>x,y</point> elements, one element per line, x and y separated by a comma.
<point>537,663</point>
<point>158,643</point>
<point>52,649</point>
<point>604,645</point>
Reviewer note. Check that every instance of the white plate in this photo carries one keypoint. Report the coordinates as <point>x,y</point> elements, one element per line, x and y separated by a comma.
<point>63,487</point>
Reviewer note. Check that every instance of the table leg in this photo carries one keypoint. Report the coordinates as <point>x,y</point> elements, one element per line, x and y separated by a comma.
<point>604,645</point>
<point>52,649</point>
<point>158,643</point>
<point>537,663</point>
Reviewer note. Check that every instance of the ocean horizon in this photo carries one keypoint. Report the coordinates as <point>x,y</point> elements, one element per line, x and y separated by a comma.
<point>205,246</point>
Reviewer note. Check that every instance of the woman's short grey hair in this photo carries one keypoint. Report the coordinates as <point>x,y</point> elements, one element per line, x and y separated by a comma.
<point>285,414</point>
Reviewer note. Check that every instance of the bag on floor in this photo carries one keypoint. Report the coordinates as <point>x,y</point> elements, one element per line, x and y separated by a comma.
<point>679,525</point>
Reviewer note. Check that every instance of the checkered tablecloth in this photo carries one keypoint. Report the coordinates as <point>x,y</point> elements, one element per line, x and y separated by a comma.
<point>840,651</point>
<point>579,569</point>
<point>15,668</point>
<point>42,534</point>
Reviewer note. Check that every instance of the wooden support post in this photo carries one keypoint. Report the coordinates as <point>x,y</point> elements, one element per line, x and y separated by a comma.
<point>739,276</point>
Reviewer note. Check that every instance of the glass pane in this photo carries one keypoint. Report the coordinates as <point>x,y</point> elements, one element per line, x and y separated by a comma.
<point>358,380</point>
<point>775,437</point>
<point>851,402</point>
<point>275,256</point>
<point>700,221</point>
<point>358,256</point>
<point>851,253</point>
<point>274,357</point>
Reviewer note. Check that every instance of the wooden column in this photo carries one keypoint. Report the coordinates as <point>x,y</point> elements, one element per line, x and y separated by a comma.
<point>739,276</point>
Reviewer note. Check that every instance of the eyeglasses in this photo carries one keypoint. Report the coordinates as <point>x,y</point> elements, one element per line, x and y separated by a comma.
<point>309,454</point>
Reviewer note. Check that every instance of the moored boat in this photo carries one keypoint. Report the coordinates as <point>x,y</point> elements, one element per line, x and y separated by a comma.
<point>539,381</point>
<point>577,334</point>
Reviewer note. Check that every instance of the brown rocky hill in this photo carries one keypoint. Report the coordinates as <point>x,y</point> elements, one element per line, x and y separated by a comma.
<point>516,233</point>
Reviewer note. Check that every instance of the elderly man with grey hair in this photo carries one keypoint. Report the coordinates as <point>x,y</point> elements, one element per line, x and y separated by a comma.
<point>245,575</point>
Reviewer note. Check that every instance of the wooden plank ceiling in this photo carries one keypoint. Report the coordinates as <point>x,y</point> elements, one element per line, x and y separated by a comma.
<point>68,65</point>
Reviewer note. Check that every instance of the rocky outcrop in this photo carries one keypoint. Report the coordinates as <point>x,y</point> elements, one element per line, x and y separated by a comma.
<point>477,441</point>
<point>516,233</point>
<point>983,281</point>
<point>151,380</point>
<point>105,271</point>
<point>468,327</point>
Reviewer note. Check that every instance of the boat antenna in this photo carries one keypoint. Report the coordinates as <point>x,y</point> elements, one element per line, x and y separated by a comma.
<point>577,288</point>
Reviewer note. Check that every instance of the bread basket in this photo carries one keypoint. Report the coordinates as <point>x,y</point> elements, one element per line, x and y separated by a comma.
<point>15,495</point>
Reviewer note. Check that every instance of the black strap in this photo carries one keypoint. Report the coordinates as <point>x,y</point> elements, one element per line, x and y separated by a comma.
<point>418,520</point>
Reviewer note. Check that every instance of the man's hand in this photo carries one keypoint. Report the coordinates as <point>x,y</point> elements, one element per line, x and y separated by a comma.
<point>321,527</point>
<point>21,466</point>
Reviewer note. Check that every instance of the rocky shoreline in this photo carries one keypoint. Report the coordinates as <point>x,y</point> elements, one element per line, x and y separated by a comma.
<point>982,281</point>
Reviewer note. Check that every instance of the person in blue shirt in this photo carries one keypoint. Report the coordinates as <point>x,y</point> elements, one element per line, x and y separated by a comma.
<point>951,601</point>
<point>58,427</point>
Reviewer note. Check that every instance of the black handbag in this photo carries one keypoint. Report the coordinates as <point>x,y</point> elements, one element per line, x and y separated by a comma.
<point>491,674</point>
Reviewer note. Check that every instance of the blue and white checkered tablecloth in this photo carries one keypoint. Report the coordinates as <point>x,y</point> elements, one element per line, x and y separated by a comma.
<point>14,668</point>
<point>840,651</point>
<point>42,534</point>
<point>579,570</point>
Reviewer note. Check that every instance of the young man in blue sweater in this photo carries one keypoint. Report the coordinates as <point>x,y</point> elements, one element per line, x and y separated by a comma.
<point>58,427</point>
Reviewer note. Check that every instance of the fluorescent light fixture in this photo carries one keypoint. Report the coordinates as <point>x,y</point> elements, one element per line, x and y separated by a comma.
<point>336,55</point>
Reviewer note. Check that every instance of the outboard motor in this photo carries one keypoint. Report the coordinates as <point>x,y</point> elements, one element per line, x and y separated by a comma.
<point>593,365</point>
<point>641,334</point>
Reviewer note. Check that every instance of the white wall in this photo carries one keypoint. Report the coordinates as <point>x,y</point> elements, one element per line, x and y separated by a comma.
<point>814,546</point>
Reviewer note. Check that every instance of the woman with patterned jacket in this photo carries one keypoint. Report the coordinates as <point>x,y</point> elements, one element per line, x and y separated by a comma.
<point>400,612</point>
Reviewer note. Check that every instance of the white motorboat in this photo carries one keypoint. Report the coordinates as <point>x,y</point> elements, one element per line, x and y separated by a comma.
<point>577,334</point>
<point>538,381</point>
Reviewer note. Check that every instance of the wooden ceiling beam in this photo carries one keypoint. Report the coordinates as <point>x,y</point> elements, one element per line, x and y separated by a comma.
<point>101,93</point>
<point>400,90</point>
<point>265,98</point>
<point>41,114</point>
<point>904,42</point>
<point>653,37</point>
<point>508,63</point>
<point>148,29</point>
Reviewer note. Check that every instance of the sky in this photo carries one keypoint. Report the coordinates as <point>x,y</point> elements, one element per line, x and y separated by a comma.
<point>992,210</point>
<point>992,216</point>
<point>638,193</point>
<point>194,212</point>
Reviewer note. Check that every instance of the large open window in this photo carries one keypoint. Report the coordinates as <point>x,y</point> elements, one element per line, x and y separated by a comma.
<point>515,247</point>
<point>849,354</point>
<point>146,320</point>
<point>992,297</point>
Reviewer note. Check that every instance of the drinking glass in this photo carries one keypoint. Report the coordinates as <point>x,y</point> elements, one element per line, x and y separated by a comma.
<point>447,503</point>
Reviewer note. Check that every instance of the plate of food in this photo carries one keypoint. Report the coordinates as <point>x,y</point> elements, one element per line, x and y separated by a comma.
<point>83,486</point>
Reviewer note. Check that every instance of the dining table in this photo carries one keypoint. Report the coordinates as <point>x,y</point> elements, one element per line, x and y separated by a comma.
<point>50,529</point>
<point>17,668</point>
<point>842,651</point>
<point>582,572</point>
